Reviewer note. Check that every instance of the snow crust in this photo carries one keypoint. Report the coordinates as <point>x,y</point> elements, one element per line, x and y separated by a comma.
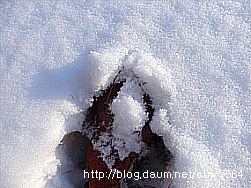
<point>193,56</point>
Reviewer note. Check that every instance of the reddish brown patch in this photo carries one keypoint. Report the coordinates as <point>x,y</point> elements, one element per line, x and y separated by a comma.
<point>103,119</point>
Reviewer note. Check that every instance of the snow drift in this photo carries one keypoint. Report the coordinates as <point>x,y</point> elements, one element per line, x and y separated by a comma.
<point>194,57</point>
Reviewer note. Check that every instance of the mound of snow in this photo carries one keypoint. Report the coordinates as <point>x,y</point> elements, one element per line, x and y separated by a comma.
<point>191,156</point>
<point>194,57</point>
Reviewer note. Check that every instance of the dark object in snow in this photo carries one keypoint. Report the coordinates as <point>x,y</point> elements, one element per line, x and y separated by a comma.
<point>99,116</point>
<point>74,145</point>
<point>99,119</point>
<point>72,154</point>
<point>156,160</point>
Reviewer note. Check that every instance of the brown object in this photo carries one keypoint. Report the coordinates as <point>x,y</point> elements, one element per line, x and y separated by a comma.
<point>100,117</point>
<point>146,131</point>
<point>74,145</point>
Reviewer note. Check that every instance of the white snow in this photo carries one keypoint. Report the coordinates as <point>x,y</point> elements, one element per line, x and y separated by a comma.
<point>194,57</point>
<point>129,118</point>
<point>128,109</point>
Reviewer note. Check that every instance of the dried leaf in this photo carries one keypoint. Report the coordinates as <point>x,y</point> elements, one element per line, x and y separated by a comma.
<point>101,119</point>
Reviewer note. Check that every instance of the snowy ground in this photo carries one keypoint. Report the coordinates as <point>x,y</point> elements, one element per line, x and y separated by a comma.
<point>55,55</point>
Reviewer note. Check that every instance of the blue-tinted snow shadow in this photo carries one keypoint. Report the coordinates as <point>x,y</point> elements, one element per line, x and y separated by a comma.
<point>67,82</point>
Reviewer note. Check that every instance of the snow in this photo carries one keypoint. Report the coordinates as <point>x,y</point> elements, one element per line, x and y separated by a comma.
<point>129,118</point>
<point>193,56</point>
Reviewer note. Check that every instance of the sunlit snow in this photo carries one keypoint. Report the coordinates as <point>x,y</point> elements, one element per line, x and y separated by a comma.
<point>195,60</point>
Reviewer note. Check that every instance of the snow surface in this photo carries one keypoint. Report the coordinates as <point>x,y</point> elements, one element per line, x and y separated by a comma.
<point>194,57</point>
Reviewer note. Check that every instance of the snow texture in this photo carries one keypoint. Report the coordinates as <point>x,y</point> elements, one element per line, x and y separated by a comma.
<point>193,56</point>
